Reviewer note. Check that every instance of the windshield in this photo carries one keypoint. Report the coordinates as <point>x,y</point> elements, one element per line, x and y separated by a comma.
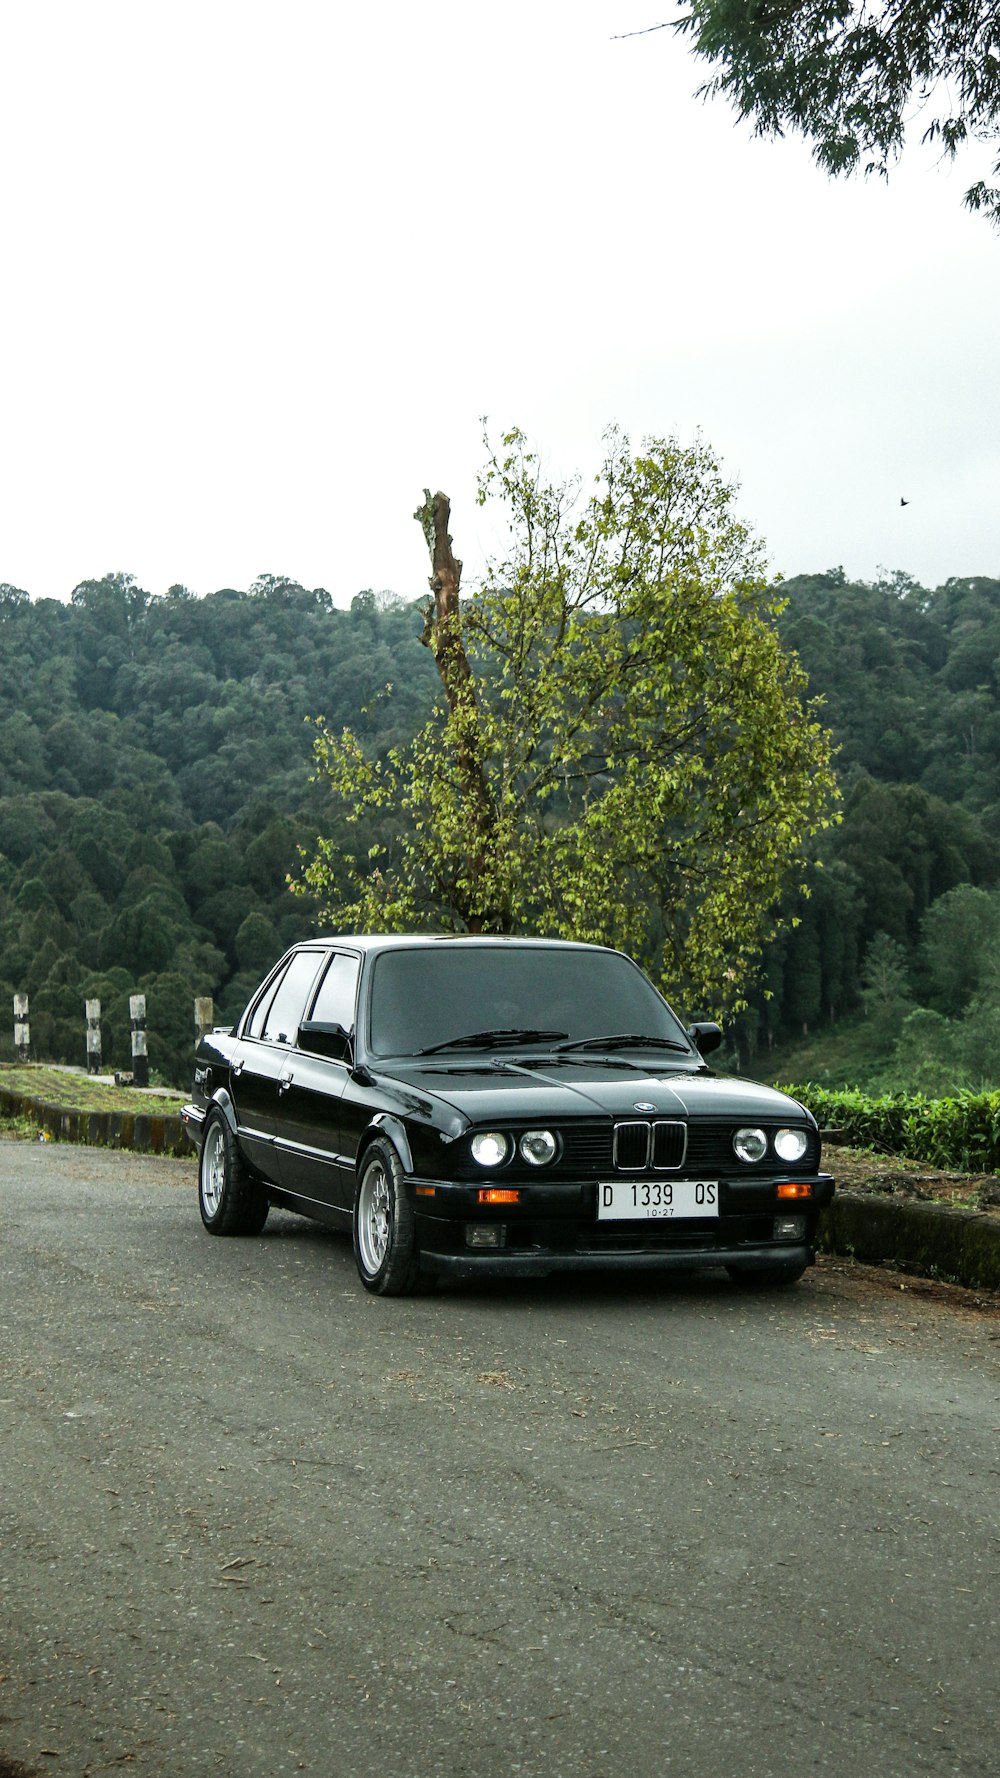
<point>429,997</point>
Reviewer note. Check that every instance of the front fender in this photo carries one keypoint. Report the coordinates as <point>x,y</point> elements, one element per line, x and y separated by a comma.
<point>384,1124</point>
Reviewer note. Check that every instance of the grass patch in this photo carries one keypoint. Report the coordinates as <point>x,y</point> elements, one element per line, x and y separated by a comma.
<point>79,1092</point>
<point>14,1127</point>
<point>843,1055</point>
<point>62,1107</point>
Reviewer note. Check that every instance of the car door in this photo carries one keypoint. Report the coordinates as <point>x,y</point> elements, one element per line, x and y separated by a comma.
<point>311,1090</point>
<point>261,1061</point>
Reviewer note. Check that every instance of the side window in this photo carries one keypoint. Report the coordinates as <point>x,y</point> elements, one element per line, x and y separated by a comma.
<point>256,1022</point>
<point>338,991</point>
<point>285,1010</point>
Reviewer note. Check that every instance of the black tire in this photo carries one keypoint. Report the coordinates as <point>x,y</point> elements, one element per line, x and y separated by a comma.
<point>229,1198</point>
<point>766,1277</point>
<point>385,1238</point>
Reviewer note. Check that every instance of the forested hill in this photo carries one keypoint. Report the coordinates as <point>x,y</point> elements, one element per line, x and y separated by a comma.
<point>903,923</point>
<point>155,781</point>
<point>911,679</point>
<point>155,764</point>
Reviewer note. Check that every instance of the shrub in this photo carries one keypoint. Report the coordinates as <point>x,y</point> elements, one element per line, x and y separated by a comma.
<point>961,1132</point>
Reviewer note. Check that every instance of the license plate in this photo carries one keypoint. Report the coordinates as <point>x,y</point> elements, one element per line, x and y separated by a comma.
<point>639,1200</point>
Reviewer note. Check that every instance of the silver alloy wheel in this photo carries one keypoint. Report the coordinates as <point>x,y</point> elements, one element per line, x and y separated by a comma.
<point>374,1217</point>
<point>213,1168</point>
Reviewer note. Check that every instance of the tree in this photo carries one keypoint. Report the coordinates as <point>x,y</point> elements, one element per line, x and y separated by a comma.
<point>886,982</point>
<point>961,945</point>
<point>848,75</point>
<point>622,752</point>
<point>804,991</point>
<point>905,848</point>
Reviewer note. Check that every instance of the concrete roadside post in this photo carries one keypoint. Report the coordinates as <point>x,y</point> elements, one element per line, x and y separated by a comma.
<point>93,1009</point>
<point>22,1030</point>
<point>140,1053</point>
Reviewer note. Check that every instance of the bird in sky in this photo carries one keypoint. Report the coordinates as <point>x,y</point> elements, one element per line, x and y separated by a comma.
<point>903,502</point>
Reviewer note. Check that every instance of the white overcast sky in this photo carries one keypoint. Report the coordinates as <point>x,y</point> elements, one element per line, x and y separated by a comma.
<point>264,266</point>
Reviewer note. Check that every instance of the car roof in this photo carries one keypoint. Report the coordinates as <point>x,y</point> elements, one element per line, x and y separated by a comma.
<point>391,941</point>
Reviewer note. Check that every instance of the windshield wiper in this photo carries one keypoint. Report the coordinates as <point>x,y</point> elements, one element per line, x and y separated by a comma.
<point>559,1059</point>
<point>481,1040</point>
<point>620,1040</point>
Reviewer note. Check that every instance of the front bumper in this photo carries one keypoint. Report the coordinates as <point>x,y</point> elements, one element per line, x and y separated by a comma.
<point>555,1228</point>
<point>786,1257</point>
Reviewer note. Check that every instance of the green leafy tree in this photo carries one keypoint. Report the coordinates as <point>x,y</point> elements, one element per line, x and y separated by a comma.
<point>257,943</point>
<point>885,981</point>
<point>980,1038</point>
<point>804,992</point>
<point>961,945</point>
<point>849,75</point>
<point>623,752</point>
<point>927,1057</point>
<point>904,848</point>
<point>941,1056</point>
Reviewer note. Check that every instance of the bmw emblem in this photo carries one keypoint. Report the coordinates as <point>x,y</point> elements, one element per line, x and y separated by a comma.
<point>643,1105</point>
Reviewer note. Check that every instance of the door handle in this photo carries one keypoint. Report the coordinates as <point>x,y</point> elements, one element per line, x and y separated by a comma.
<point>285,1082</point>
<point>237,1069</point>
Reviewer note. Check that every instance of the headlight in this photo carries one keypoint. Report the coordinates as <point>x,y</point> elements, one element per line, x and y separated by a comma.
<point>790,1145</point>
<point>538,1147</point>
<point>490,1147</point>
<point>750,1145</point>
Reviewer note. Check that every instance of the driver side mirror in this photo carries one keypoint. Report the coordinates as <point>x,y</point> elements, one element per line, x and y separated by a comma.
<point>323,1038</point>
<point>706,1036</point>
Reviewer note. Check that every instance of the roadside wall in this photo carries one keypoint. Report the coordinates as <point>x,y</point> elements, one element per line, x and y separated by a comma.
<point>149,1131</point>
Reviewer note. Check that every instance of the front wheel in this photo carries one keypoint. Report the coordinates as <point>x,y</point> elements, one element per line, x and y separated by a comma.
<point>229,1198</point>
<point>385,1240</point>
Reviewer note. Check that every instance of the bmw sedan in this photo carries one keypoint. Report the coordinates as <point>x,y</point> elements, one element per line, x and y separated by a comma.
<point>466,1106</point>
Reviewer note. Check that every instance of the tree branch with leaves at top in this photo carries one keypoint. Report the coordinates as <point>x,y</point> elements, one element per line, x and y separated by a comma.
<point>852,75</point>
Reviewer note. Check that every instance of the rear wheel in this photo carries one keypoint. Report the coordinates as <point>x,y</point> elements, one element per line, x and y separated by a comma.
<point>229,1198</point>
<point>385,1241</point>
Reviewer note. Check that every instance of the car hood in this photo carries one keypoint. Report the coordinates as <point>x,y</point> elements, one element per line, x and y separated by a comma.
<point>505,1091</point>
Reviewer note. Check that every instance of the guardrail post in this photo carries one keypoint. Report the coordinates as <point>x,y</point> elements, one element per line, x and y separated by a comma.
<point>93,1008</point>
<point>204,1015</point>
<point>22,1030</point>
<point>140,1054</point>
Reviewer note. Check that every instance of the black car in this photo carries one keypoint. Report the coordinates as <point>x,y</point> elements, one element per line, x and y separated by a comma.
<point>509,1106</point>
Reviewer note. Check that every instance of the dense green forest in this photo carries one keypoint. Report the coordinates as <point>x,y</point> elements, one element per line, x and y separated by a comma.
<point>891,976</point>
<point>155,782</point>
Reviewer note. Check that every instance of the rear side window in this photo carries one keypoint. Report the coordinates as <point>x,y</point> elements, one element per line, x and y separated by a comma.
<point>337,992</point>
<point>288,1002</point>
<point>255,1023</point>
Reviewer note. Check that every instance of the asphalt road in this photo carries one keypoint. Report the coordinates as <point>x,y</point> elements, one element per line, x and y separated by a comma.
<point>255,1522</point>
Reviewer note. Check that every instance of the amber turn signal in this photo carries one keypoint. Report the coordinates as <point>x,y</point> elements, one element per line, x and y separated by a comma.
<point>800,1190</point>
<point>491,1194</point>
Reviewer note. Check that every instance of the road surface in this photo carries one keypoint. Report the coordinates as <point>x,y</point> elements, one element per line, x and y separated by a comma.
<point>256,1522</point>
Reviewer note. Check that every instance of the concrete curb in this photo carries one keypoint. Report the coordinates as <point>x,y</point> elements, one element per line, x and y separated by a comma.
<point>932,1240</point>
<point>149,1132</point>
